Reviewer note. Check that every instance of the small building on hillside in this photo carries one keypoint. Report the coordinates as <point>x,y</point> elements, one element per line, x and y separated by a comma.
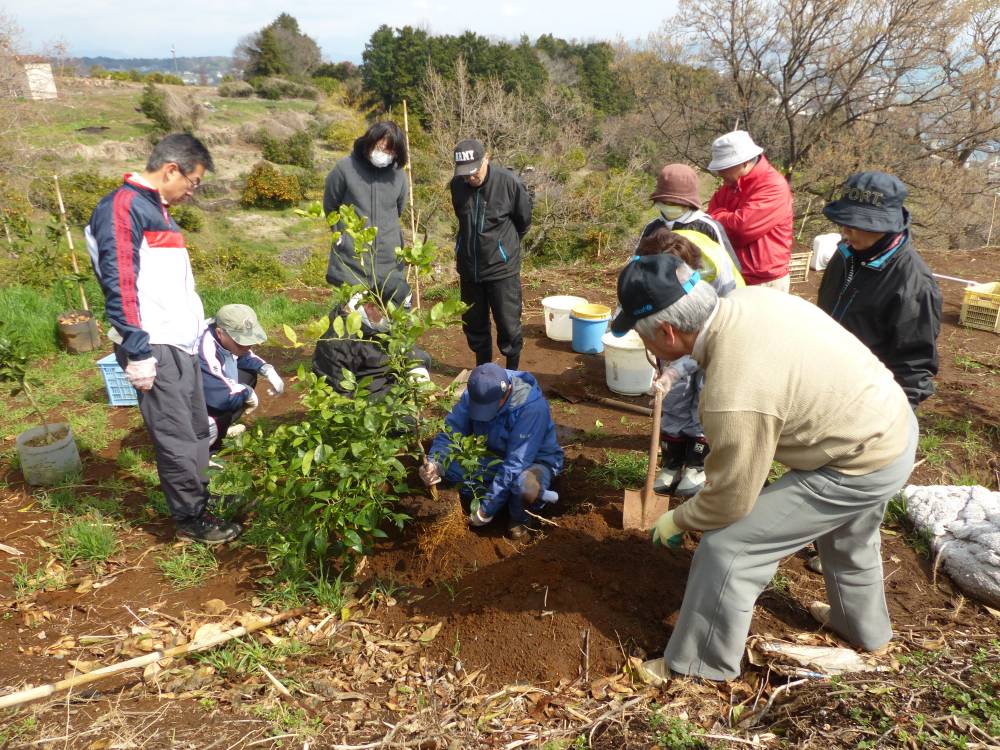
<point>28,76</point>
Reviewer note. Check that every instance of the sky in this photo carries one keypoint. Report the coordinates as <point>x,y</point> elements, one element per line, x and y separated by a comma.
<point>144,28</point>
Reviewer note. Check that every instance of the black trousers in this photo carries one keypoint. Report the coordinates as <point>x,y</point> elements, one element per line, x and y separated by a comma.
<point>177,422</point>
<point>223,419</point>
<point>503,298</point>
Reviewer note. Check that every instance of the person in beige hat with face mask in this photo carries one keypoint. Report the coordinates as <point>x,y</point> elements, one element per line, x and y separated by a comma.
<point>754,205</point>
<point>678,202</point>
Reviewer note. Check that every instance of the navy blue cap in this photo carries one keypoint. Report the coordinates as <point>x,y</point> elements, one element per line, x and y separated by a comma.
<point>647,285</point>
<point>488,384</point>
<point>870,201</point>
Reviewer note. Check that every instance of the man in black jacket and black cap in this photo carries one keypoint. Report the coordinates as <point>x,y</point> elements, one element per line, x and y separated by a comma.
<point>878,287</point>
<point>494,212</point>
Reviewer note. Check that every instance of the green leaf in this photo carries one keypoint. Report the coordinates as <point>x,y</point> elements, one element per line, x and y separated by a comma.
<point>338,326</point>
<point>290,334</point>
<point>307,459</point>
<point>354,323</point>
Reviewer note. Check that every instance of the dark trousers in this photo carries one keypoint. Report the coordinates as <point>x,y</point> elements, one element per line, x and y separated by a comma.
<point>223,419</point>
<point>177,422</point>
<point>503,298</point>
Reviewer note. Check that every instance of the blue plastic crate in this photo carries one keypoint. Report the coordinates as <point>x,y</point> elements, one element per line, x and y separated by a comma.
<point>120,391</point>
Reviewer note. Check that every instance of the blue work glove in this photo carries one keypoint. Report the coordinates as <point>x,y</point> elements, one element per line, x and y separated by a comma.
<point>666,532</point>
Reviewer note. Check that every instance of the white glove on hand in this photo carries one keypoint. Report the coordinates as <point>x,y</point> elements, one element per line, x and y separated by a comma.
<point>252,401</point>
<point>666,532</point>
<point>430,473</point>
<point>141,373</point>
<point>664,381</point>
<point>273,378</point>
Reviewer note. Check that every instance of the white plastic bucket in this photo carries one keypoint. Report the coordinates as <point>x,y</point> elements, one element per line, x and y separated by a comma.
<point>824,246</point>
<point>626,368</point>
<point>558,325</point>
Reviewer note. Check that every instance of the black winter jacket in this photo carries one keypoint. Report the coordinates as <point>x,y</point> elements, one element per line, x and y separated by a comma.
<point>378,194</point>
<point>890,301</point>
<point>492,219</point>
<point>363,356</point>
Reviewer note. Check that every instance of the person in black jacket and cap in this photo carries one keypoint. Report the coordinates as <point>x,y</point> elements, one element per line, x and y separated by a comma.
<point>366,355</point>
<point>494,212</point>
<point>878,287</point>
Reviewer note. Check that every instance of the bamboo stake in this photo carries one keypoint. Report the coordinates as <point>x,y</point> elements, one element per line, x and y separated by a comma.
<point>44,691</point>
<point>409,180</point>
<point>993,215</point>
<point>802,226</point>
<point>69,240</point>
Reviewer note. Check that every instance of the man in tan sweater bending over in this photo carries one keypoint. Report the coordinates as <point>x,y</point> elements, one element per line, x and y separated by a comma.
<point>783,381</point>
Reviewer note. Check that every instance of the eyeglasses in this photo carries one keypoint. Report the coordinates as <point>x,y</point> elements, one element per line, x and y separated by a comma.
<point>194,185</point>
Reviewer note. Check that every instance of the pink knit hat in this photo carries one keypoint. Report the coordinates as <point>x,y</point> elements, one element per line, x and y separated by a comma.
<point>677,184</point>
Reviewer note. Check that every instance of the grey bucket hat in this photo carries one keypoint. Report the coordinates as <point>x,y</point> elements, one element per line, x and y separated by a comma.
<point>871,201</point>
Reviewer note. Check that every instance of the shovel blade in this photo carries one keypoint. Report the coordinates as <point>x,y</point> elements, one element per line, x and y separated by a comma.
<point>632,511</point>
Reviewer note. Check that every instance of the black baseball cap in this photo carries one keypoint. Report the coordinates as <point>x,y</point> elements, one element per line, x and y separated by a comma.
<point>871,201</point>
<point>468,157</point>
<point>488,385</point>
<point>647,285</point>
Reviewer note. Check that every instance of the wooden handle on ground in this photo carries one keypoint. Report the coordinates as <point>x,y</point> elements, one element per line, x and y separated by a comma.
<point>44,691</point>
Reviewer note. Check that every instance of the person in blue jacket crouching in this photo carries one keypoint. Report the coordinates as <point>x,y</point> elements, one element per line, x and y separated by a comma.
<point>507,406</point>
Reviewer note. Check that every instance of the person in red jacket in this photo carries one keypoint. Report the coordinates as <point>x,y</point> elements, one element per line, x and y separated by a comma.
<point>754,206</point>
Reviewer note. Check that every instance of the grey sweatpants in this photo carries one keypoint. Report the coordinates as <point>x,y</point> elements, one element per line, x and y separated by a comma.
<point>177,422</point>
<point>733,564</point>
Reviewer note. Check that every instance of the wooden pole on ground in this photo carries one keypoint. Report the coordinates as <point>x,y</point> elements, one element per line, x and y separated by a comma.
<point>44,691</point>
<point>409,180</point>
<point>69,241</point>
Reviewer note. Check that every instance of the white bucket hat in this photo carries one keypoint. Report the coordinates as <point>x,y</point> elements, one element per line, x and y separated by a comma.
<point>731,149</point>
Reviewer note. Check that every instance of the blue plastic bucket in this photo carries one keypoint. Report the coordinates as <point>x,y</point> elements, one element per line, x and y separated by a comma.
<point>589,325</point>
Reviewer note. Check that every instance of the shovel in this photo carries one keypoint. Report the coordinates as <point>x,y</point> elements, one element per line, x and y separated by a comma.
<point>642,508</point>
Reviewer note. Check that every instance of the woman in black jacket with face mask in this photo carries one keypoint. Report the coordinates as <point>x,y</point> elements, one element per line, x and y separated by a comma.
<point>372,180</point>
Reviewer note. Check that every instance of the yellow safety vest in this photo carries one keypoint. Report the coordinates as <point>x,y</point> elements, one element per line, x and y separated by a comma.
<point>713,257</point>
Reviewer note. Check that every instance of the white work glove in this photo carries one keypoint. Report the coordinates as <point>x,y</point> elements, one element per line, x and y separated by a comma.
<point>430,473</point>
<point>664,381</point>
<point>273,378</point>
<point>252,401</point>
<point>666,532</point>
<point>141,373</point>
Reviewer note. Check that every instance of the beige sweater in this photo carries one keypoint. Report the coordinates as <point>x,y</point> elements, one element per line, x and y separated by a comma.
<point>783,380</point>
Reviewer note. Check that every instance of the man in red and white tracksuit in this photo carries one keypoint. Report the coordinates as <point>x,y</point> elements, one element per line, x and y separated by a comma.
<point>142,264</point>
<point>754,206</point>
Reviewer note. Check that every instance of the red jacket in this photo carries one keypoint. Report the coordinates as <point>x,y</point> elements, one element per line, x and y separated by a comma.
<point>757,216</point>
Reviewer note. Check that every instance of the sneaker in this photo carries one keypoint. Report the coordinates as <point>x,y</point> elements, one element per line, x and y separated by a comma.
<point>478,519</point>
<point>691,482</point>
<point>654,671</point>
<point>815,564</point>
<point>208,529</point>
<point>235,430</point>
<point>820,612</point>
<point>666,478</point>
<point>672,463</point>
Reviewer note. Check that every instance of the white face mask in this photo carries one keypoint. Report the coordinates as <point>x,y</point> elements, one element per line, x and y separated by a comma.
<point>380,158</point>
<point>670,212</point>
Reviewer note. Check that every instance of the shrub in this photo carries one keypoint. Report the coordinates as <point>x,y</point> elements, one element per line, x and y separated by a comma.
<point>340,133</point>
<point>281,88</point>
<point>81,191</point>
<point>266,187</point>
<point>222,267</point>
<point>297,149</point>
<point>188,218</point>
<point>153,104</point>
<point>235,89</point>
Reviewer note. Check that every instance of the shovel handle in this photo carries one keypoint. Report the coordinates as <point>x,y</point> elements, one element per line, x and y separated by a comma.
<point>654,447</point>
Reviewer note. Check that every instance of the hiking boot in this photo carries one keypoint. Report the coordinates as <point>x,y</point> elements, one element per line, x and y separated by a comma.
<point>671,464</point>
<point>693,478</point>
<point>208,529</point>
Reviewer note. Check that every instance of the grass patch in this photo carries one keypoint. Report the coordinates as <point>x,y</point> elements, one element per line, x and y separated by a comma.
<point>781,583</point>
<point>288,719</point>
<point>27,581</point>
<point>621,469</point>
<point>673,732</point>
<point>246,655</point>
<point>188,566</point>
<point>329,593</point>
<point>89,540</point>
<point>896,515</point>
<point>442,292</point>
<point>138,463</point>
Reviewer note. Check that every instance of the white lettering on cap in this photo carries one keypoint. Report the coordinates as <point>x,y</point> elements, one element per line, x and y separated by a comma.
<point>465,155</point>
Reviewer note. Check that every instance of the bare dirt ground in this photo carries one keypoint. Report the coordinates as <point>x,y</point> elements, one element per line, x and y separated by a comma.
<point>518,645</point>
